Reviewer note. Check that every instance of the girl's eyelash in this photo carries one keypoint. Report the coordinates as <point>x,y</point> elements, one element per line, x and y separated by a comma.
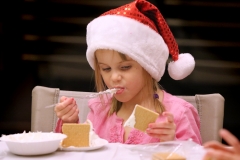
<point>122,67</point>
<point>105,69</point>
<point>126,67</point>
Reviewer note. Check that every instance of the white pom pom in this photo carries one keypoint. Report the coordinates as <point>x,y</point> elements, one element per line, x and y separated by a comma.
<point>182,67</point>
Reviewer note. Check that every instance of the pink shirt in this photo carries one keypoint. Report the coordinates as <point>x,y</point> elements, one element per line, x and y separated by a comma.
<point>111,127</point>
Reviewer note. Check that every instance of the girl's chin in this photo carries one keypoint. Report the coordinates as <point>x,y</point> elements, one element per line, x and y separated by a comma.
<point>122,99</point>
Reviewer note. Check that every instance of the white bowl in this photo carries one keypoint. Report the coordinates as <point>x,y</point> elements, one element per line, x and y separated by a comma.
<point>33,143</point>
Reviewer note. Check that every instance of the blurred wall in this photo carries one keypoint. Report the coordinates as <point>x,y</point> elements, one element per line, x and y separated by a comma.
<point>43,43</point>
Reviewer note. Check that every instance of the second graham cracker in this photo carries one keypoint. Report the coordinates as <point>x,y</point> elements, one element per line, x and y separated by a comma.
<point>143,117</point>
<point>77,135</point>
<point>167,156</point>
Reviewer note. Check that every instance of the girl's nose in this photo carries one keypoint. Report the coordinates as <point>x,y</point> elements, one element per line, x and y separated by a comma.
<point>116,76</point>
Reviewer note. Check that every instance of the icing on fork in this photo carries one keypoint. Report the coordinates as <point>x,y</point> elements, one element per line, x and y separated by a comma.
<point>108,91</point>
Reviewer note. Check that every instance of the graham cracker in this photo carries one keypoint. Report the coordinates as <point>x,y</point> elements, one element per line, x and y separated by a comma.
<point>143,117</point>
<point>77,135</point>
<point>167,156</point>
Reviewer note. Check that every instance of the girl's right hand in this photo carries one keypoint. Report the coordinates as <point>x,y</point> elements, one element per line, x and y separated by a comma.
<point>67,110</point>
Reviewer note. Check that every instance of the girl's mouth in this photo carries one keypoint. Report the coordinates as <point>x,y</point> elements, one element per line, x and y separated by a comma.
<point>119,90</point>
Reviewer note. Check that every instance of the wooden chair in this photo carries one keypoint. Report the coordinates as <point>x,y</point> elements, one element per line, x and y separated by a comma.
<point>210,108</point>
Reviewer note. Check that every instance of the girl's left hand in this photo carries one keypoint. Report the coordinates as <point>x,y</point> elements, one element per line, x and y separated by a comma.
<point>165,131</point>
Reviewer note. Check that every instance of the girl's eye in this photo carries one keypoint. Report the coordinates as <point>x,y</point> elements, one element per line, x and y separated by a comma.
<point>125,67</point>
<point>106,69</point>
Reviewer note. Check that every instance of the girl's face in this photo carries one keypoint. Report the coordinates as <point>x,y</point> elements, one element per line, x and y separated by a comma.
<point>126,75</point>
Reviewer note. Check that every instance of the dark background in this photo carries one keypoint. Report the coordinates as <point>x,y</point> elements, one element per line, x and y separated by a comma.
<point>43,43</point>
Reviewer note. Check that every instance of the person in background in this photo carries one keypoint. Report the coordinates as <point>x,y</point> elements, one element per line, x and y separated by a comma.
<point>218,151</point>
<point>128,48</point>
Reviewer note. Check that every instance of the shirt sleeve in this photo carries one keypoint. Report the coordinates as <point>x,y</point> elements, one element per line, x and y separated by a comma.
<point>91,113</point>
<point>188,126</point>
<point>98,110</point>
<point>58,128</point>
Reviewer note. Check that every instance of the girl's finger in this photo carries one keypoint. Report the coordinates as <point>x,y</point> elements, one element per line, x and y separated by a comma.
<point>63,109</point>
<point>69,116</point>
<point>74,117</point>
<point>61,106</point>
<point>162,137</point>
<point>63,98</point>
<point>169,116</point>
<point>68,101</point>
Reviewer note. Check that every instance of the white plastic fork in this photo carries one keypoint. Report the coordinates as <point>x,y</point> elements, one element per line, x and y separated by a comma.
<point>93,95</point>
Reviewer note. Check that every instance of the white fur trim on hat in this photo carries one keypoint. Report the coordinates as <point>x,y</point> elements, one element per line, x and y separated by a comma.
<point>129,37</point>
<point>182,67</point>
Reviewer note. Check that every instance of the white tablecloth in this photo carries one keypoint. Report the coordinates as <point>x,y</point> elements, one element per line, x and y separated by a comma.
<point>112,151</point>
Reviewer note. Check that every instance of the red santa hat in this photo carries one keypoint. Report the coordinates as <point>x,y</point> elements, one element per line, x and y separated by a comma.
<point>139,30</point>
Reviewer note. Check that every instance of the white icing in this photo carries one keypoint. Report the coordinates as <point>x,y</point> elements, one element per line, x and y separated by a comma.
<point>32,136</point>
<point>112,91</point>
<point>92,135</point>
<point>130,122</point>
<point>108,91</point>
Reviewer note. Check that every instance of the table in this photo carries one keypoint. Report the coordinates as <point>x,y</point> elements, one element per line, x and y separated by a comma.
<point>112,151</point>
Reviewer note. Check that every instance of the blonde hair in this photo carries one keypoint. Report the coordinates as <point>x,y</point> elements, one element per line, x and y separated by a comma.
<point>152,88</point>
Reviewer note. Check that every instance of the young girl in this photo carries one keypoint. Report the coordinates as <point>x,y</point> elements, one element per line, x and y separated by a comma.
<point>128,48</point>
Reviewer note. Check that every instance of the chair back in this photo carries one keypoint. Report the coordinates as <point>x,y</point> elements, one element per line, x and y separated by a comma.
<point>210,108</point>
